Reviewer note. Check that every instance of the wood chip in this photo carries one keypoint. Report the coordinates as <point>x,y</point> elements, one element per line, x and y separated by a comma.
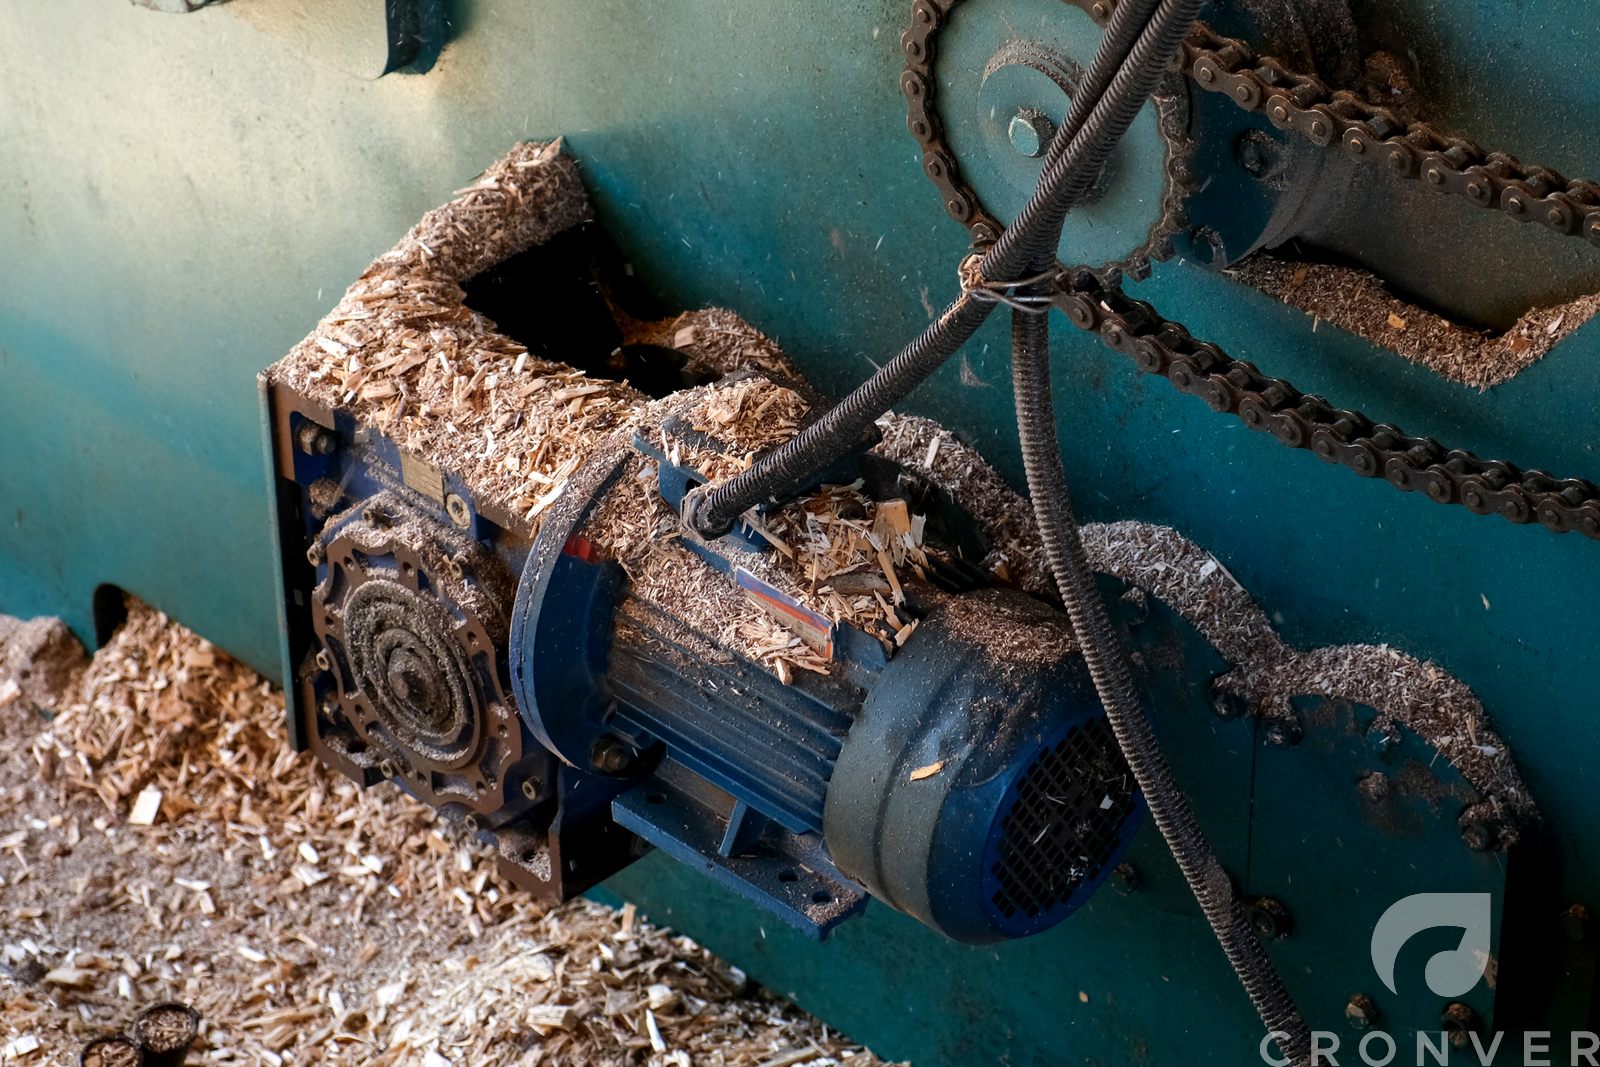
<point>68,976</point>
<point>888,572</point>
<point>146,808</point>
<point>552,1016</point>
<point>19,1047</point>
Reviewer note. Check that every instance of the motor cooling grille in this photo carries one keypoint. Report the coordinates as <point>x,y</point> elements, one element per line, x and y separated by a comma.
<point>1063,823</point>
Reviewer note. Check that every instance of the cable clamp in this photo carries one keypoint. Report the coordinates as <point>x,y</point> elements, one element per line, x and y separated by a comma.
<point>975,285</point>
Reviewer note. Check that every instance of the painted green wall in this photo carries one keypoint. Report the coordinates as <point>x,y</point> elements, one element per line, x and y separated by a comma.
<point>181,197</point>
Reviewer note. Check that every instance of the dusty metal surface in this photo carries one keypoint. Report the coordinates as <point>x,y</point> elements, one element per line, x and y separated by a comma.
<point>173,226</point>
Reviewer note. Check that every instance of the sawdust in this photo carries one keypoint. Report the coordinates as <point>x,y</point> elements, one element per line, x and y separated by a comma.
<point>634,528</point>
<point>836,550</point>
<point>746,416</point>
<point>632,522</point>
<point>404,354</point>
<point>39,659</point>
<point>1012,630</point>
<point>308,920</point>
<point>1269,672</point>
<point>674,581</point>
<point>1357,301</point>
<point>1418,695</point>
<point>1015,552</point>
<point>715,341</point>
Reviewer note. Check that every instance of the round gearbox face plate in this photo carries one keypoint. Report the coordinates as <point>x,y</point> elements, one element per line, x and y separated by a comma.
<point>413,634</point>
<point>1004,73</point>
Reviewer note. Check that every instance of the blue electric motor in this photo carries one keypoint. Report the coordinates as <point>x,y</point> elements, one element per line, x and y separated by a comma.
<point>970,779</point>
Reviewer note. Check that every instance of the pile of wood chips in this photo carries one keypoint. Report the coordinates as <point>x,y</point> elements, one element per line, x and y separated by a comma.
<point>403,353</point>
<point>850,552</point>
<point>158,842</point>
<point>750,415</point>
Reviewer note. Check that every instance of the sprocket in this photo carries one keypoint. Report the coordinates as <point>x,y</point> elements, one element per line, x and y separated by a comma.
<point>1020,75</point>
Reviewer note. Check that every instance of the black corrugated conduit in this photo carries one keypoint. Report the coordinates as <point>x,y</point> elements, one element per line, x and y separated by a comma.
<point>1102,647</point>
<point>1140,42</point>
<point>712,511</point>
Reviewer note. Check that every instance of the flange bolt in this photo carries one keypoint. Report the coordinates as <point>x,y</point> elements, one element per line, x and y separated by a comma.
<point>316,440</point>
<point>1227,702</point>
<point>1284,731</point>
<point>611,755</point>
<point>1361,1013</point>
<point>1030,132</point>
<point>1125,878</point>
<point>1270,919</point>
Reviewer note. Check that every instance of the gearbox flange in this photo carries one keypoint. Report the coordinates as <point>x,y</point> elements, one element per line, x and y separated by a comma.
<point>411,622</point>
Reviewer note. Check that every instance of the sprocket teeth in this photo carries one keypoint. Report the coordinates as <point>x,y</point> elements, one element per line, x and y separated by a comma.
<point>918,84</point>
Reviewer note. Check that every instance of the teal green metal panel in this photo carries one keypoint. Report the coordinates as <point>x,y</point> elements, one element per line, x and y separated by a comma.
<point>183,197</point>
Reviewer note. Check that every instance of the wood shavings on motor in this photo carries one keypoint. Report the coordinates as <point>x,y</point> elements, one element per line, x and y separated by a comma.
<point>831,561</point>
<point>1357,301</point>
<point>305,919</point>
<point>403,354</point>
<point>1416,694</point>
<point>747,415</point>
<point>836,550</point>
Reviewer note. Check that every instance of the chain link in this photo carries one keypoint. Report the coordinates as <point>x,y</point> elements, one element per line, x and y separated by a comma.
<point>1305,105</point>
<point>918,83</point>
<point>1272,405</point>
<point>1367,133</point>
